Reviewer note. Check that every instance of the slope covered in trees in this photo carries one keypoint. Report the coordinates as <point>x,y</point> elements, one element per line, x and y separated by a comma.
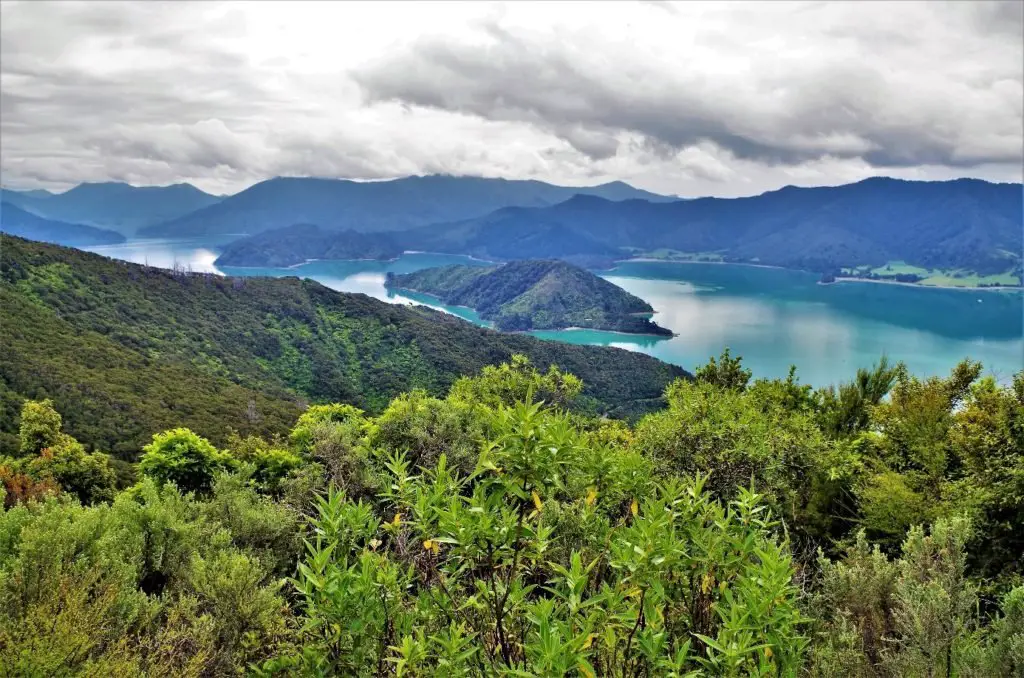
<point>534,294</point>
<point>963,224</point>
<point>283,247</point>
<point>16,221</point>
<point>753,528</point>
<point>124,349</point>
<point>370,206</point>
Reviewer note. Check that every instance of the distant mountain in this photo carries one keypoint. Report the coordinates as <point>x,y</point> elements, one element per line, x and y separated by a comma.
<point>534,295</point>
<point>122,207</point>
<point>967,223</point>
<point>370,206</point>
<point>31,194</point>
<point>16,221</point>
<point>296,244</point>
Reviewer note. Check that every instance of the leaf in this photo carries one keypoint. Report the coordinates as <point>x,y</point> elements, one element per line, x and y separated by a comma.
<point>634,508</point>
<point>536,500</point>
<point>398,520</point>
<point>591,497</point>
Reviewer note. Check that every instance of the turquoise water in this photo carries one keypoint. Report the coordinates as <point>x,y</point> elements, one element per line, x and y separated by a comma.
<point>772,317</point>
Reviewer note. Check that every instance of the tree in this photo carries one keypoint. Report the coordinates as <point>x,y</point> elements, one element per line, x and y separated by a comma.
<point>181,457</point>
<point>40,426</point>
<point>728,372</point>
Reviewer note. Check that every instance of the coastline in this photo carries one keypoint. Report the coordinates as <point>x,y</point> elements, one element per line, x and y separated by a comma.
<point>595,329</point>
<point>960,288</point>
<point>839,279</point>
<point>548,329</point>
<point>652,260</point>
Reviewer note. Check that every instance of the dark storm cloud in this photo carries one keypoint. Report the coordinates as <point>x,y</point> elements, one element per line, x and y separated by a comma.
<point>945,92</point>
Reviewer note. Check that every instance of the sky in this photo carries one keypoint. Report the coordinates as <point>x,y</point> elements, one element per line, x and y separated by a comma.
<point>690,99</point>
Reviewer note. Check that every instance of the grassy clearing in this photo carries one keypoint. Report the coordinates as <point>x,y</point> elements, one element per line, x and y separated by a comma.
<point>899,267</point>
<point>966,279</point>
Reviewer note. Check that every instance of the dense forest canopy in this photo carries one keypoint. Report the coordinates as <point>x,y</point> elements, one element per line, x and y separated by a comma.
<point>534,294</point>
<point>297,244</point>
<point>752,528</point>
<point>124,350</point>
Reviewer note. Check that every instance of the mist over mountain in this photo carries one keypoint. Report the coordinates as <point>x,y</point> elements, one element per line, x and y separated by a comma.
<point>119,206</point>
<point>16,221</point>
<point>369,206</point>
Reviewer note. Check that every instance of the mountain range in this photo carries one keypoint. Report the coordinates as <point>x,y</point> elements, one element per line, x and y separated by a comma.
<point>122,207</point>
<point>370,206</point>
<point>966,223</point>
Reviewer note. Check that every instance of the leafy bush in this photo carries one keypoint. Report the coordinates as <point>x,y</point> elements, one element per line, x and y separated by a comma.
<point>181,457</point>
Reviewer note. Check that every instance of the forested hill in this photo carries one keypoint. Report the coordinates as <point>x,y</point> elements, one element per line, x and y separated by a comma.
<point>125,350</point>
<point>534,294</point>
<point>293,245</point>
<point>963,224</point>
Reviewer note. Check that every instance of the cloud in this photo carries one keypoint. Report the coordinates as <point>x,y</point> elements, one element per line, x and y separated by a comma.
<point>690,98</point>
<point>906,87</point>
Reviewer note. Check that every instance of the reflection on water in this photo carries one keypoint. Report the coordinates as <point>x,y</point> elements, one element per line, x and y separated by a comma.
<point>772,317</point>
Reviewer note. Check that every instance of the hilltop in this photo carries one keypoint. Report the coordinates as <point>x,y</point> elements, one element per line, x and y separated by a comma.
<point>534,295</point>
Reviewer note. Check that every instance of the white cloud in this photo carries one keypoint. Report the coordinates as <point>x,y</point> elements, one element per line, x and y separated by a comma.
<point>691,98</point>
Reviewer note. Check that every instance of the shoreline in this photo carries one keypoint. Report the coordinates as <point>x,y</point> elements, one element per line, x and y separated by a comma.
<point>960,288</point>
<point>652,260</point>
<point>550,329</point>
<point>595,329</point>
<point>839,279</point>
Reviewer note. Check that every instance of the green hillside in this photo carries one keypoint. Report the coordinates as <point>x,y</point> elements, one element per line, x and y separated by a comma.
<point>124,349</point>
<point>297,244</point>
<point>534,295</point>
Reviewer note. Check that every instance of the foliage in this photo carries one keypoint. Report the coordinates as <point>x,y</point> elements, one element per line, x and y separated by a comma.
<point>181,457</point>
<point>457,573</point>
<point>915,616</point>
<point>54,461</point>
<point>534,295</point>
<point>297,244</point>
<point>728,372</point>
<point>750,528</point>
<point>125,350</point>
<point>151,584</point>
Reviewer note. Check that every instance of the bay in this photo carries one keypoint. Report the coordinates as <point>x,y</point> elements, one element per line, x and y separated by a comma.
<point>772,317</point>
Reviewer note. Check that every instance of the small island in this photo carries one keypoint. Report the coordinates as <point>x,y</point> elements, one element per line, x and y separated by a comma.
<point>534,295</point>
<point>294,245</point>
